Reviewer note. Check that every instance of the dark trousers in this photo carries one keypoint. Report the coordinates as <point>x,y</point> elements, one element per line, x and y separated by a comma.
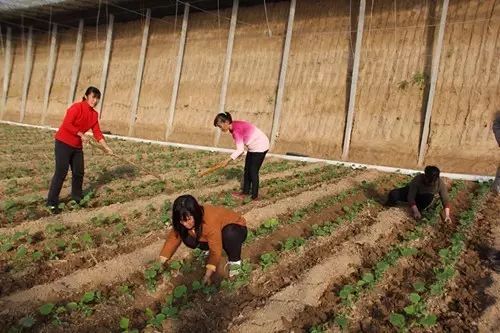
<point>253,162</point>
<point>233,236</point>
<point>422,200</point>
<point>66,156</point>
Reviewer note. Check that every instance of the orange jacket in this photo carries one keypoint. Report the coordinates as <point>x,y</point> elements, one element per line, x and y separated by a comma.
<point>214,220</point>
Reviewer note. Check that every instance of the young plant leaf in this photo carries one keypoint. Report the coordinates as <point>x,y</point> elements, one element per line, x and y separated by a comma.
<point>419,286</point>
<point>88,297</point>
<point>397,320</point>
<point>180,291</point>
<point>46,309</point>
<point>27,322</point>
<point>124,322</point>
<point>428,321</point>
<point>414,298</point>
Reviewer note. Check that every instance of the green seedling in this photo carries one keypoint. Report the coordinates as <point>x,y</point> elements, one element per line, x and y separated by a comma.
<point>398,320</point>
<point>7,246</point>
<point>165,212</point>
<point>268,259</point>
<point>341,321</point>
<point>87,240</point>
<point>180,291</point>
<point>151,273</point>
<point>240,280</point>
<point>347,294</point>
<point>124,325</point>
<point>317,329</point>
<point>196,285</point>
<point>125,290</point>
<point>21,252</point>
<point>57,229</point>
<point>292,243</point>
<point>37,255</point>
<point>264,229</point>
<point>46,309</point>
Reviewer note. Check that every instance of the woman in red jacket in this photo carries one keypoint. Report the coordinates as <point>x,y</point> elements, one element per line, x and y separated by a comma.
<point>79,118</point>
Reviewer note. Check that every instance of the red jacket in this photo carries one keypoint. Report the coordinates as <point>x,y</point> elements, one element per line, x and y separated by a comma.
<point>80,117</point>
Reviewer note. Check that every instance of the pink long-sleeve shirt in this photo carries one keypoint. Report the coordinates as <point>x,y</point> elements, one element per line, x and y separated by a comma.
<point>246,134</point>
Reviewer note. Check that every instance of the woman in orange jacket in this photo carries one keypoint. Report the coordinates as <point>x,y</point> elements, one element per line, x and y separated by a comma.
<point>208,228</point>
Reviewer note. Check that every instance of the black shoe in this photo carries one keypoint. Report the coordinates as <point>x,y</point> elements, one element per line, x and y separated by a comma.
<point>54,210</point>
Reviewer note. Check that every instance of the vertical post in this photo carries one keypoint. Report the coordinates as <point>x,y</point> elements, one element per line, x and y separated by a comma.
<point>77,61</point>
<point>178,69</point>
<point>105,63</point>
<point>6,70</point>
<point>354,81</point>
<point>281,84</point>
<point>434,73</point>
<point>51,66</point>
<point>28,65</point>
<point>227,65</point>
<point>140,71</point>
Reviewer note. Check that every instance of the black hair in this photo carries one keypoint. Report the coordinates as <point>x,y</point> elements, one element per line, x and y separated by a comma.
<point>184,207</point>
<point>224,117</point>
<point>92,91</point>
<point>431,174</point>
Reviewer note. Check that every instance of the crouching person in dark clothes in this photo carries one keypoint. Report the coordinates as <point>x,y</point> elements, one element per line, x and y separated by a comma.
<point>208,228</point>
<point>420,193</point>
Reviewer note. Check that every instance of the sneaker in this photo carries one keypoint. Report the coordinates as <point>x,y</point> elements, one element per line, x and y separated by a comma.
<point>52,209</point>
<point>234,268</point>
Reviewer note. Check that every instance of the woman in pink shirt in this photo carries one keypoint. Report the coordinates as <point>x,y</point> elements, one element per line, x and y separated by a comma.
<point>257,143</point>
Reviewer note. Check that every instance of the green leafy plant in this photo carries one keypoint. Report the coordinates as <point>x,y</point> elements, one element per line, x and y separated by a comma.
<point>151,273</point>
<point>341,321</point>
<point>292,243</point>
<point>46,309</point>
<point>240,280</point>
<point>267,259</point>
<point>264,229</point>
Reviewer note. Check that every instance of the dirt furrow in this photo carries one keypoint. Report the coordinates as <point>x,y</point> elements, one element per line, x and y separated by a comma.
<point>134,237</point>
<point>285,305</point>
<point>371,311</point>
<point>120,268</point>
<point>471,301</point>
<point>108,314</point>
<point>77,217</point>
